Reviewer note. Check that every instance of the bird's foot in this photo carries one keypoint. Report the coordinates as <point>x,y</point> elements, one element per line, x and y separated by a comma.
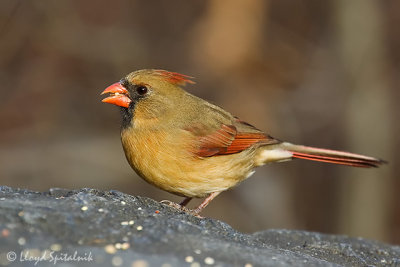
<point>172,204</point>
<point>194,212</point>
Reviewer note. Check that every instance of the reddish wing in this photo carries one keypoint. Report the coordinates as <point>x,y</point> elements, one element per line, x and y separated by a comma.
<point>243,141</point>
<point>227,140</point>
<point>217,142</point>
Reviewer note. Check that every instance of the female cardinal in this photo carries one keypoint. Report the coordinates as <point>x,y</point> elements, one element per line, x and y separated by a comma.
<point>189,147</point>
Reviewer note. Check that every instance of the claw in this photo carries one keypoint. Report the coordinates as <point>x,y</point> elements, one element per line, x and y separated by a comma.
<point>172,204</point>
<point>194,212</point>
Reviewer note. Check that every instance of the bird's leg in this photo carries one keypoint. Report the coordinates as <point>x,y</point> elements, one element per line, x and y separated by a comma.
<point>195,211</point>
<point>204,204</point>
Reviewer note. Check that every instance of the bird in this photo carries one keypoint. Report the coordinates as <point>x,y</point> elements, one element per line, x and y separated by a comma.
<point>189,147</point>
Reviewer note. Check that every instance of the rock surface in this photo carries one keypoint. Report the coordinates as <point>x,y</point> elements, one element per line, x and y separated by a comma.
<point>88,227</point>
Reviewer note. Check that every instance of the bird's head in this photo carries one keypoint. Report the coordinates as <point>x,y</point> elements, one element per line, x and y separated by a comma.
<point>146,94</point>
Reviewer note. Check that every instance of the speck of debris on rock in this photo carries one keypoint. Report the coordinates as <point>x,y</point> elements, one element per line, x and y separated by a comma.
<point>139,228</point>
<point>5,232</point>
<point>209,261</point>
<point>21,213</point>
<point>195,264</point>
<point>140,208</point>
<point>123,246</point>
<point>84,208</point>
<point>100,210</point>
<point>117,261</point>
<point>131,222</point>
<point>189,259</point>
<point>248,265</point>
<point>140,263</point>
<point>21,241</point>
<point>124,223</point>
<point>157,211</point>
<point>197,251</point>
<point>55,247</point>
<point>110,249</point>
<point>123,203</point>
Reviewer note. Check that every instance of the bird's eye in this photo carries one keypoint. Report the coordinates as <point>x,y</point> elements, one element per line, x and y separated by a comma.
<point>141,90</point>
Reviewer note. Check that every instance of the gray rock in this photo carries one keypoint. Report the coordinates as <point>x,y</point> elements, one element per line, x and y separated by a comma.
<point>114,229</point>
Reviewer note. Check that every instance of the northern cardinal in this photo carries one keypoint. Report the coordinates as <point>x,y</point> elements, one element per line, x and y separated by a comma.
<point>189,147</point>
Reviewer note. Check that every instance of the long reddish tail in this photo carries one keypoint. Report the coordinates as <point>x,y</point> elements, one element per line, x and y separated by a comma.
<point>332,156</point>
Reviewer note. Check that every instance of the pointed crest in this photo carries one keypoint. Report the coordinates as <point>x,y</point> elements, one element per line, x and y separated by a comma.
<point>175,78</point>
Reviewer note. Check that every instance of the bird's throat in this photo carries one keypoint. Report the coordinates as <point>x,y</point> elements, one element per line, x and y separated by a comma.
<point>127,116</point>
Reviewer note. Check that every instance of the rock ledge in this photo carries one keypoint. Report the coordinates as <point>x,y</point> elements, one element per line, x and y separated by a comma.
<point>88,227</point>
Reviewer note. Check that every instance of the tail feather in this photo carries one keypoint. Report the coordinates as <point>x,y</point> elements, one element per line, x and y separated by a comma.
<point>332,156</point>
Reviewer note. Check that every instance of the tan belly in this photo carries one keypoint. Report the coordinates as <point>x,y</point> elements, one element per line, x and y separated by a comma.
<point>174,169</point>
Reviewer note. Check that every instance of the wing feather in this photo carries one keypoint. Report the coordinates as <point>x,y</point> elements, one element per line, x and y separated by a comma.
<point>228,140</point>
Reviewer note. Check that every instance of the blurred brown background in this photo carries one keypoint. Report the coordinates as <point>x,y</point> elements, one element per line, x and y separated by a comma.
<point>322,73</point>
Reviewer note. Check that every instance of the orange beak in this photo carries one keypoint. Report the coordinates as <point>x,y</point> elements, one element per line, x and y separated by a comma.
<point>118,95</point>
